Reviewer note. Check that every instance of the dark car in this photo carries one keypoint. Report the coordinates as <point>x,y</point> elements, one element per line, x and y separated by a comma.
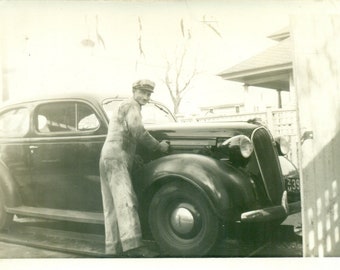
<point>214,175</point>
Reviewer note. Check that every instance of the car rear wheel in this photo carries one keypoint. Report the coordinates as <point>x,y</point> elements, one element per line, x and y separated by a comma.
<point>182,221</point>
<point>5,218</point>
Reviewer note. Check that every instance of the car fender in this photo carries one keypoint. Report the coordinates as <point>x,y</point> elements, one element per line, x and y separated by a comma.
<point>9,187</point>
<point>290,171</point>
<point>223,185</point>
<point>288,168</point>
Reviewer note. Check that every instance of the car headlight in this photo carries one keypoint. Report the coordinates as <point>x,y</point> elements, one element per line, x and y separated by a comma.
<point>238,148</point>
<point>282,146</point>
<point>246,146</point>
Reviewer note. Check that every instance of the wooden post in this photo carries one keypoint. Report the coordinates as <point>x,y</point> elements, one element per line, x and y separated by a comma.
<point>279,98</point>
<point>292,92</point>
<point>247,106</point>
<point>316,65</point>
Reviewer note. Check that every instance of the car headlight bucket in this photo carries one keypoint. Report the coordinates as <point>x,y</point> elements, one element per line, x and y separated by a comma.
<point>282,146</point>
<point>238,148</point>
<point>246,146</point>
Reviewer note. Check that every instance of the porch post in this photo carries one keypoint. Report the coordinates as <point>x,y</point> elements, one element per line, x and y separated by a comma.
<point>246,98</point>
<point>292,92</point>
<point>279,98</point>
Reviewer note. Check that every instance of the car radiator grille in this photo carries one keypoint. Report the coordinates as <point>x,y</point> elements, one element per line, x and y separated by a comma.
<point>268,163</point>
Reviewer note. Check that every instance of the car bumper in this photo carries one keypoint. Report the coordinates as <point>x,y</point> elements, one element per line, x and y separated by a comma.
<point>272,213</point>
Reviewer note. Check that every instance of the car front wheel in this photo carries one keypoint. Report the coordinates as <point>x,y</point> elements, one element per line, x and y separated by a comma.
<point>182,222</point>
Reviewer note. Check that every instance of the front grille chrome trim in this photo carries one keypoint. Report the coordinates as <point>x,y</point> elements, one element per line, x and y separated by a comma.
<point>260,166</point>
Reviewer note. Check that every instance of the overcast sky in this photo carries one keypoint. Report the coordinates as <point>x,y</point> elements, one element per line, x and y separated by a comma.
<point>46,45</point>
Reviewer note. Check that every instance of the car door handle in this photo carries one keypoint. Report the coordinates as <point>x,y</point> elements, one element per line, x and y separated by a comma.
<point>32,148</point>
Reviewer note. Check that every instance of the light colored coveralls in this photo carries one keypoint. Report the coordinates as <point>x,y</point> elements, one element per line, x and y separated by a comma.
<point>122,225</point>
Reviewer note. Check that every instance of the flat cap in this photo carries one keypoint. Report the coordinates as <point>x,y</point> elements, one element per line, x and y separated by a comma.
<point>144,84</point>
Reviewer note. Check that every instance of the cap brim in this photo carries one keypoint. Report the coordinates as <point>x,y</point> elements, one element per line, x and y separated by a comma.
<point>144,88</point>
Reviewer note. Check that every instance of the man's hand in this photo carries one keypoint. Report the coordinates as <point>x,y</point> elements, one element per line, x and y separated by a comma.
<point>164,146</point>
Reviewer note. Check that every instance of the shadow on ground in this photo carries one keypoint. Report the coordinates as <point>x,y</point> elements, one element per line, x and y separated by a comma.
<point>69,239</point>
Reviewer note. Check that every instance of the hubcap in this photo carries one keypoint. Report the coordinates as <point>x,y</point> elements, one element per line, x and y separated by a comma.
<point>182,220</point>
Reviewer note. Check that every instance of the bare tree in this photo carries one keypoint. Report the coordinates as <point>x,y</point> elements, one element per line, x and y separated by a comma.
<point>177,80</point>
<point>177,77</point>
<point>210,25</point>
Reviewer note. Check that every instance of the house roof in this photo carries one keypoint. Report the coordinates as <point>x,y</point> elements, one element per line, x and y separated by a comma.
<point>280,35</point>
<point>270,68</point>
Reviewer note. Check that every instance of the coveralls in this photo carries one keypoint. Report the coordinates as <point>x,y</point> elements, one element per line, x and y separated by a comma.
<point>122,225</point>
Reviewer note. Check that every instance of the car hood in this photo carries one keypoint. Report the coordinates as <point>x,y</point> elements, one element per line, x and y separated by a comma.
<point>201,130</point>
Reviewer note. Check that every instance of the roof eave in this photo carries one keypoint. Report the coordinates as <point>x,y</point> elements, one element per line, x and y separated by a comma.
<point>250,72</point>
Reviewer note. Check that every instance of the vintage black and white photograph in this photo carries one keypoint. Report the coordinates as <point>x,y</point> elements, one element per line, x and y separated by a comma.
<point>154,129</point>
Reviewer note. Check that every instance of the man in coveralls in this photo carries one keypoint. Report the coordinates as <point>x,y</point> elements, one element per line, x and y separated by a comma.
<point>122,226</point>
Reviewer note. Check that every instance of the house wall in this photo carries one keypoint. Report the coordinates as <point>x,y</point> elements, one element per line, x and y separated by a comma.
<point>316,68</point>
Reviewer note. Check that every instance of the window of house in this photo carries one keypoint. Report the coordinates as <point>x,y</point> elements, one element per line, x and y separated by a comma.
<point>14,123</point>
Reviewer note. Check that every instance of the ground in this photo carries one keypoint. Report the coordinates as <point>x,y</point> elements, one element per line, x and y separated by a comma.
<point>45,239</point>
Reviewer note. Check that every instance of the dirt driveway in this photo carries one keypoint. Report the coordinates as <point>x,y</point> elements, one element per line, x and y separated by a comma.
<point>45,239</point>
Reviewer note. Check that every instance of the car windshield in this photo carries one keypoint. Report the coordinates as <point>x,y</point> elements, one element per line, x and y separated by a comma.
<point>153,113</point>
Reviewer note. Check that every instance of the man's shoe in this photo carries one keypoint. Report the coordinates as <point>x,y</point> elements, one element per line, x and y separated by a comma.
<point>141,252</point>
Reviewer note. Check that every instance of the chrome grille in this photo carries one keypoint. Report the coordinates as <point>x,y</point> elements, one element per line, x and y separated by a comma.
<point>268,163</point>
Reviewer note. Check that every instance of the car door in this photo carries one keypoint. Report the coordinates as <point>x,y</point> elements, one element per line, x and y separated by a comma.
<point>14,148</point>
<point>64,153</point>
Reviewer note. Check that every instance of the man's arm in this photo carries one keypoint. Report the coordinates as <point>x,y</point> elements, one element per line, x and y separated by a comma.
<point>135,126</point>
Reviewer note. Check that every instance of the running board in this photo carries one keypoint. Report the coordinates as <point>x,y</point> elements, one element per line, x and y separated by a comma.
<point>58,214</point>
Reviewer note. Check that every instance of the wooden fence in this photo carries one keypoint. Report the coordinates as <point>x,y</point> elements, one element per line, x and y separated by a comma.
<point>281,122</point>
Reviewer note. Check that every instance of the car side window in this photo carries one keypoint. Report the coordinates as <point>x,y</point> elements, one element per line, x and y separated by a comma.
<point>65,117</point>
<point>14,123</point>
<point>86,118</point>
